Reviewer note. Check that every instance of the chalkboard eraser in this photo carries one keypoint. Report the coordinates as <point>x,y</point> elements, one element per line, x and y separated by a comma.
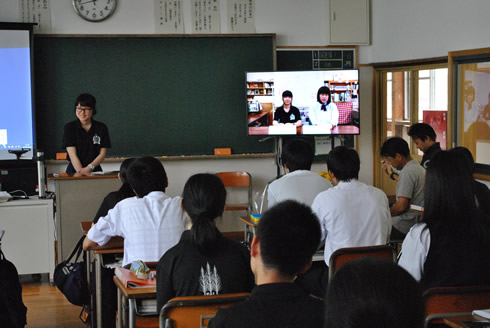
<point>222,151</point>
<point>60,155</point>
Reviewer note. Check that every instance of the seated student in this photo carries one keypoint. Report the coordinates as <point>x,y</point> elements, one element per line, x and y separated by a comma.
<point>424,137</point>
<point>351,214</point>
<point>299,182</point>
<point>203,262</point>
<point>482,193</point>
<point>324,112</point>
<point>449,247</point>
<point>410,186</point>
<point>287,113</point>
<point>150,223</point>
<point>287,237</point>
<point>114,197</point>
<point>109,291</point>
<point>360,294</point>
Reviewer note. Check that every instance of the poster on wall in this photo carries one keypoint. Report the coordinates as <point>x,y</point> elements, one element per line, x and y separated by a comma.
<point>36,11</point>
<point>169,16</point>
<point>438,120</point>
<point>241,16</point>
<point>205,16</point>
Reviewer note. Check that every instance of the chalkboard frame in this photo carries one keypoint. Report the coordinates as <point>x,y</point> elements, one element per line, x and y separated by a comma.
<point>67,65</point>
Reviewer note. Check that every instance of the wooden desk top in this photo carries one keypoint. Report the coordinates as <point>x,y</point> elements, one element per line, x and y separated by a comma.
<point>86,225</point>
<point>459,321</point>
<point>136,293</point>
<point>339,129</point>
<point>66,176</point>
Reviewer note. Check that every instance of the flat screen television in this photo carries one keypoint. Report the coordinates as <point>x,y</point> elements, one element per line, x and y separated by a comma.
<point>264,99</point>
<point>16,91</point>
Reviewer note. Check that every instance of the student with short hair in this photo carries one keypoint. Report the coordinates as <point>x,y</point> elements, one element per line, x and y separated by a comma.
<point>410,186</point>
<point>203,262</point>
<point>150,223</point>
<point>287,113</point>
<point>299,183</point>
<point>372,292</point>
<point>450,246</point>
<point>287,236</point>
<point>351,214</point>
<point>424,137</point>
<point>324,112</point>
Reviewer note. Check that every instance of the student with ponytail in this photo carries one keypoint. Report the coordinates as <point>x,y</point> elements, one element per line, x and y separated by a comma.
<point>203,262</point>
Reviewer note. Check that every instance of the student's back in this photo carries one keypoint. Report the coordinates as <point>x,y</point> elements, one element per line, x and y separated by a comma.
<point>203,262</point>
<point>273,305</point>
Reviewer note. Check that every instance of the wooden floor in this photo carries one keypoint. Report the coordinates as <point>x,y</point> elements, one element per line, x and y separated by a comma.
<point>47,306</point>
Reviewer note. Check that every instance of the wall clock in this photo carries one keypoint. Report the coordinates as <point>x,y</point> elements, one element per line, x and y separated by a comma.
<point>94,10</point>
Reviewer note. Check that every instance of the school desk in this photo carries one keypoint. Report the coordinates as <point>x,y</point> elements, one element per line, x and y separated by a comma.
<point>131,295</point>
<point>467,321</point>
<point>77,199</point>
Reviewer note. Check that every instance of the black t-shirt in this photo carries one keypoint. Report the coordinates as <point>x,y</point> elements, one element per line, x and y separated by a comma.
<point>183,271</point>
<point>429,154</point>
<point>292,116</point>
<point>273,305</point>
<point>88,144</point>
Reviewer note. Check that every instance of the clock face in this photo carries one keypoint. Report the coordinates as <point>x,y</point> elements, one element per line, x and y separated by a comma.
<point>94,10</point>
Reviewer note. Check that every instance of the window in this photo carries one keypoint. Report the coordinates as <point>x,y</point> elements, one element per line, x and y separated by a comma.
<point>405,96</point>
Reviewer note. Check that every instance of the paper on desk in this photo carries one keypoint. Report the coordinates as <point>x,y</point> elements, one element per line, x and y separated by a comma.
<point>482,313</point>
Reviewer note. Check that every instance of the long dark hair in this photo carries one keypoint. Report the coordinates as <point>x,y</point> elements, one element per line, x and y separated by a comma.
<point>450,207</point>
<point>204,200</point>
<point>125,191</point>
<point>457,254</point>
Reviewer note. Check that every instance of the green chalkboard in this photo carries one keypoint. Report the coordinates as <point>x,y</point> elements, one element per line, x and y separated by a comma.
<point>176,95</point>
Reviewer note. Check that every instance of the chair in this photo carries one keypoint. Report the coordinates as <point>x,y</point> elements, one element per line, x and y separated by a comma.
<point>238,181</point>
<point>443,302</point>
<point>343,255</point>
<point>195,311</point>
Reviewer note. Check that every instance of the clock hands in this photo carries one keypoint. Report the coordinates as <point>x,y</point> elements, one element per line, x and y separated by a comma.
<point>82,3</point>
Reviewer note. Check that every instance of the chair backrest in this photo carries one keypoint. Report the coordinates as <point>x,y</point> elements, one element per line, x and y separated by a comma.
<point>238,179</point>
<point>195,311</point>
<point>443,302</point>
<point>343,255</point>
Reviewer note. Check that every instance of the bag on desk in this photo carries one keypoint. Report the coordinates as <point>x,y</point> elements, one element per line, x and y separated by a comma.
<point>71,278</point>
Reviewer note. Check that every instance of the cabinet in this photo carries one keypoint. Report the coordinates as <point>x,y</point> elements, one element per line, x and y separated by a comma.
<point>349,22</point>
<point>29,235</point>
<point>260,88</point>
<point>343,91</point>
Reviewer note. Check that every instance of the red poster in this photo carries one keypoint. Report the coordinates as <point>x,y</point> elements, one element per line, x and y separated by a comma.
<point>438,120</point>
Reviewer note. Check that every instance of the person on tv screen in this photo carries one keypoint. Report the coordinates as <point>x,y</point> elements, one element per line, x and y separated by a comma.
<point>85,139</point>
<point>287,113</point>
<point>324,112</point>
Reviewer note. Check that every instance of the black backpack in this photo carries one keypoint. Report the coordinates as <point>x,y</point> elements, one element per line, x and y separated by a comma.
<point>12,310</point>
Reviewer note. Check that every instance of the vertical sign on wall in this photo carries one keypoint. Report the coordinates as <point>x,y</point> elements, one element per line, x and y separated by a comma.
<point>205,16</point>
<point>168,16</point>
<point>241,16</point>
<point>36,11</point>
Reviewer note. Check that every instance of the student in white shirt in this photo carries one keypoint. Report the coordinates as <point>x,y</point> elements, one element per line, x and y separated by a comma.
<point>351,214</point>
<point>324,112</point>
<point>150,223</point>
<point>299,183</point>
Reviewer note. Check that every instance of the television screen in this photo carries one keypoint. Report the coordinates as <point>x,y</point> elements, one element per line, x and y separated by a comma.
<point>303,102</point>
<point>16,112</point>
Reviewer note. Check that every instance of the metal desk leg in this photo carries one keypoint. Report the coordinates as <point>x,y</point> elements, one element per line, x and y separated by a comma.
<point>119,309</point>
<point>98,288</point>
<point>88,269</point>
<point>132,312</point>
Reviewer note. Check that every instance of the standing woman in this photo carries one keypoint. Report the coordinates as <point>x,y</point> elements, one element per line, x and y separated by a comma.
<point>324,112</point>
<point>85,139</point>
<point>203,262</point>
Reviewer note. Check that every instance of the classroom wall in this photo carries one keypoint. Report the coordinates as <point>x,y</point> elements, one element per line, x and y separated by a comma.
<point>400,30</point>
